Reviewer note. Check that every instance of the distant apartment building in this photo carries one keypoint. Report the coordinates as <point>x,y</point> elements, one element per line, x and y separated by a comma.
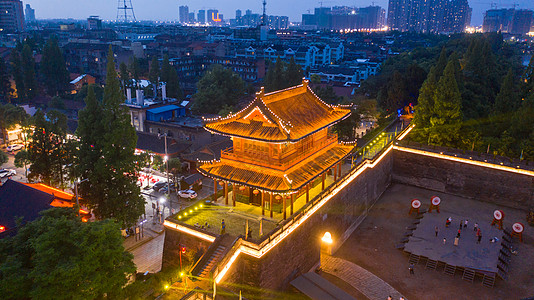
<point>201,16</point>
<point>94,23</point>
<point>508,21</point>
<point>317,54</point>
<point>438,16</point>
<point>213,17</point>
<point>183,12</point>
<point>29,14</point>
<point>345,17</point>
<point>349,72</point>
<point>11,16</point>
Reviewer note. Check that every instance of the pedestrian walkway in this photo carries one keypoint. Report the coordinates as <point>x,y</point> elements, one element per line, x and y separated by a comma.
<point>364,281</point>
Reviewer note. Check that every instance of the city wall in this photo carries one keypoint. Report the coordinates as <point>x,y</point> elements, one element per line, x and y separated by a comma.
<point>501,187</point>
<point>300,251</point>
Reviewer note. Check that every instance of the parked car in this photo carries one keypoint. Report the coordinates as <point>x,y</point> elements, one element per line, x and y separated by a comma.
<point>187,194</point>
<point>14,147</point>
<point>158,185</point>
<point>164,189</point>
<point>7,172</point>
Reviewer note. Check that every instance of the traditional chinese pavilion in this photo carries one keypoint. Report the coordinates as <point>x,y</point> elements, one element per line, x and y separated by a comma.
<point>281,146</point>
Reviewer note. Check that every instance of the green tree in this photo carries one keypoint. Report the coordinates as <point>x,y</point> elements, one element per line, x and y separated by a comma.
<point>45,151</point>
<point>57,256</point>
<point>125,76</point>
<point>173,85</point>
<point>175,168</point>
<point>345,128</point>
<point>111,190</point>
<point>527,80</point>
<point>424,110</point>
<point>22,160</point>
<point>166,67</point>
<point>5,84</point>
<point>135,70</point>
<point>218,87</point>
<point>446,121</point>
<point>10,115</point>
<point>153,74</point>
<point>3,158</point>
<point>16,72</point>
<point>315,78</point>
<point>54,69</point>
<point>508,99</point>
<point>57,103</point>
<point>327,94</point>
<point>82,94</point>
<point>293,74</point>
<point>28,70</point>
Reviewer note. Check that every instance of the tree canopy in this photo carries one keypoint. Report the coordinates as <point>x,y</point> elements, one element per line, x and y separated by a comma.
<point>57,256</point>
<point>218,87</point>
<point>106,155</point>
<point>54,69</point>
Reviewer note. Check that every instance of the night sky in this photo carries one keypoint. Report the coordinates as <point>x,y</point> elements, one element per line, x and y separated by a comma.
<point>167,10</point>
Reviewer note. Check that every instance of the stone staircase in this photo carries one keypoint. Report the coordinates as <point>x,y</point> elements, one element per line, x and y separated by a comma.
<point>212,261</point>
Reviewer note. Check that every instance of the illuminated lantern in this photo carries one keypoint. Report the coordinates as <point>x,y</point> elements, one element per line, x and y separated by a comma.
<point>255,192</point>
<point>242,188</point>
<point>2,228</point>
<point>278,197</point>
<point>221,183</point>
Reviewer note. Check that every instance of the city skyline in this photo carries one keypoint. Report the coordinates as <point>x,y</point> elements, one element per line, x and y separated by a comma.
<point>159,11</point>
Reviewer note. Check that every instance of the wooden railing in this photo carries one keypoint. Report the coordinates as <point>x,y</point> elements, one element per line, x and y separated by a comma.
<point>264,160</point>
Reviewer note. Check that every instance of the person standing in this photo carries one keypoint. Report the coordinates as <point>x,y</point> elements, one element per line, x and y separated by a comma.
<point>436,230</point>
<point>476,226</point>
<point>461,224</point>
<point>479,236</point>
<point>223,227</point>
<point>444,241</point>
<point>459,232</point>
<point>411,269</point>
<point>456,241</point>
<point>465,223</point>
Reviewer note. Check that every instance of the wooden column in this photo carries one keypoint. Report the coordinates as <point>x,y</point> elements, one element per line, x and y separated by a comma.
<point>214,190</point>
<point>263,203</point>
<point>307,193</point>
<point>271,196</point>
<point>323,178</point>
<point>339,170</point>
<point>226,193</point>
<point>233,193</point>
<point>292,199</point>
<point>335,172</point>
<point>284,205</point>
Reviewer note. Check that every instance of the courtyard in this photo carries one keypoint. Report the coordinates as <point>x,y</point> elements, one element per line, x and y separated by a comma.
<point>372,246</point>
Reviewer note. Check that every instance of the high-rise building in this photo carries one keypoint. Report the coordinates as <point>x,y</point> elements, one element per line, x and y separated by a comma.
<point>522,21</point>
<point>94,23</point>
<point>191,17</point>
<point>507,21</point>
<point>440,16</point>
<point>29,14</point>
<point>346,17</point>
<point>184,14</point>
<point>11,16</point>
<point>201,16</point>
<point>238,14</point>
<point>213,16</point>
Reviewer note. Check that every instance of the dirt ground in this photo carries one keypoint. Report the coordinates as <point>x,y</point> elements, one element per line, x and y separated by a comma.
<point>372,247</point>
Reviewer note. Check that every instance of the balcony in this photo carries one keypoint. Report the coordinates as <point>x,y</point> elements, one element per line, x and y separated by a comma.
<point>263,159</point>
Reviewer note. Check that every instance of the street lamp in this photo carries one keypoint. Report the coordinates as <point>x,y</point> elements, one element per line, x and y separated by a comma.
<point>76,191</point>
<point>166,159</point>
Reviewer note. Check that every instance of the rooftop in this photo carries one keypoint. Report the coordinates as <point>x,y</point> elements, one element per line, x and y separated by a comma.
<point>283,116</point>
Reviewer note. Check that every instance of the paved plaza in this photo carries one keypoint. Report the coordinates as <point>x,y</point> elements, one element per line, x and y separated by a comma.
<point>469,254</point>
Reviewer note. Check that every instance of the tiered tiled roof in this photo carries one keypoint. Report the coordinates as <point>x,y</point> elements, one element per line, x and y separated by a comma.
<point>283,116</point>
<point>276,181</point>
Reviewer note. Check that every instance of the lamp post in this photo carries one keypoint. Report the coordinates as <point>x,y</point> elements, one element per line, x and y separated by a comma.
<point>166,159</point>
<point>76,192</point>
